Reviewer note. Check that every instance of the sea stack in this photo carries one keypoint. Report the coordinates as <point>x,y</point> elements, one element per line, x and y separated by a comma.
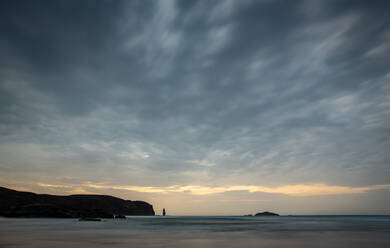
<point>164,212</point>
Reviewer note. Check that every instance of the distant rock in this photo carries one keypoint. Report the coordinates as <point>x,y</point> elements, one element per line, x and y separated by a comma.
<point>90,219</point>
<point>25,204</point>
<point>248,215</point>
<point>266,214</point>
<point>120,216</point>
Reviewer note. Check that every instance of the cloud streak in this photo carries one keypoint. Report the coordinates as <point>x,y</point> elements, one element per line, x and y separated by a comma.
<point>292,190</point>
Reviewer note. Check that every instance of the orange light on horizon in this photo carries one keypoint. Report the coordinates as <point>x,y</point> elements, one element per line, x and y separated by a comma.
<point>292,190</point>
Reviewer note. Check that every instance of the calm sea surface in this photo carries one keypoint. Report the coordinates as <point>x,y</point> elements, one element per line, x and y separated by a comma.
<point>177,231</point>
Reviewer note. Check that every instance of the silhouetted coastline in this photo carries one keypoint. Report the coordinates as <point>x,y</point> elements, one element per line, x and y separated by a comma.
<point>26,204</point>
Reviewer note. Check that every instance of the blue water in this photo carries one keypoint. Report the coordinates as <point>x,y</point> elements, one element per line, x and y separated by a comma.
<point>185,231</point>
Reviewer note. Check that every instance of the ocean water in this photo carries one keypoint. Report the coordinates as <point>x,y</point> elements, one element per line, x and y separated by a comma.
<point>188,232</point>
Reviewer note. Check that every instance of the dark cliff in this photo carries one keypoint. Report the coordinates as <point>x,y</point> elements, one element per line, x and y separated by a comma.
<point>26,204</point>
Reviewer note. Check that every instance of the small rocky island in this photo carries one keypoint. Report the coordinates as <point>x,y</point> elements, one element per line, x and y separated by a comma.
<point>26,204</point>
<point>266,214</point>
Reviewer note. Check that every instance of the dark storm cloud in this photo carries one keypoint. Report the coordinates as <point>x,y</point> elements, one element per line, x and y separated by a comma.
<point>221,91</point>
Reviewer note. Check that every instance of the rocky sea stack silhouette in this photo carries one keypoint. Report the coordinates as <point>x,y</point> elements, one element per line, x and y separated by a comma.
<point>26,204</point>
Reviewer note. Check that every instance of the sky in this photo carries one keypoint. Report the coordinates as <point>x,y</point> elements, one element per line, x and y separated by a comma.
<point>199,107</point>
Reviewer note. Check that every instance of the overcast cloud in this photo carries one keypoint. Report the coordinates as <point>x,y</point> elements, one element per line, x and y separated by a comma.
<point>205,93</point>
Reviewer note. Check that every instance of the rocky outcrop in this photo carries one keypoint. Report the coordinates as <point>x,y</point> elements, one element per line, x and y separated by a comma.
<point>26,204</point>
<point>266,214</point>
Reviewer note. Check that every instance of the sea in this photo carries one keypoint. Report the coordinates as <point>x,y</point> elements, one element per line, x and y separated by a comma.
<point>198,231</point>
